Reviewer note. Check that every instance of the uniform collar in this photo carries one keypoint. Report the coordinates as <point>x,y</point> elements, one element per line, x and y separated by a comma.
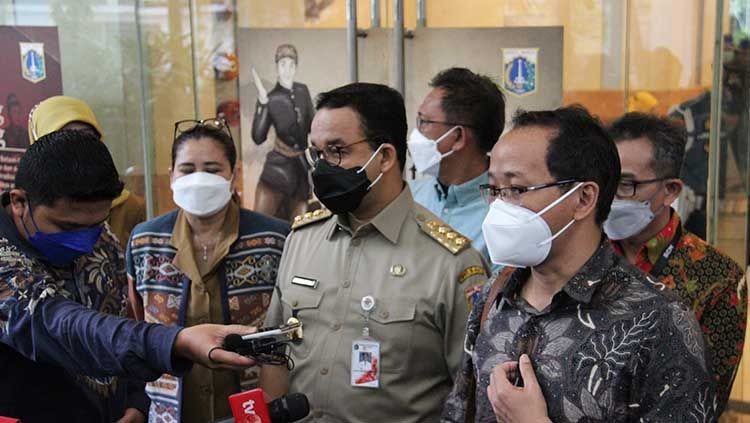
<point>461,194</point>
<point>388,222</point>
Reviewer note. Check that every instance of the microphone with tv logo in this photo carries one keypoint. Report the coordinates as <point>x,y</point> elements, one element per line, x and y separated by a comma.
<point>251,407</point>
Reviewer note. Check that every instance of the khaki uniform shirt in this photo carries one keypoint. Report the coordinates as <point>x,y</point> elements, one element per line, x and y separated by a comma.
<point>420,274</point>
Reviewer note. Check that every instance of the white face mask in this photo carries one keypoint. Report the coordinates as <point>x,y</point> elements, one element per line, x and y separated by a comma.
<point>424,152</point>
<point>628,218</point>
<point>201,194</point>
<point>518,237</point>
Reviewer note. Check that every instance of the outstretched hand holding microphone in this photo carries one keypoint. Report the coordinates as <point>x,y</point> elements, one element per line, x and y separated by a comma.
<point>203,344</point>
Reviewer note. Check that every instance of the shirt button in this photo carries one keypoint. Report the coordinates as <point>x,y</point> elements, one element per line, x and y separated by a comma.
<point>384,314</point>
<point>336,326</point>
<point>295,303</point>
<point>324,371</point>
<point>446,211</point>
<point>206,390</point>
<point>317,414</point>
<point>203,320</point>
<point>346,284</point>
<point>356,242</point>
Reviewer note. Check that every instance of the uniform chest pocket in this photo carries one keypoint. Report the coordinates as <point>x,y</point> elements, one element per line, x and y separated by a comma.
<point>305,305</point>
<point>392,324</point>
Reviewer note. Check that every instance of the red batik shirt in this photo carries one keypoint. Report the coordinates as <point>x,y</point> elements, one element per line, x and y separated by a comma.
<point>713,285</point>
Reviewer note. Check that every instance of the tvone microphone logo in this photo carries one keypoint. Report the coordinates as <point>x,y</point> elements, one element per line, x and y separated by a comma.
<point>250,416</point>
<point>249,407</point>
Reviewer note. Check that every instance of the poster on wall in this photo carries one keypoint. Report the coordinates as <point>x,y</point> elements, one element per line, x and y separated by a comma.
<point>284,187</point>
<point>29,73</point>
<point>281,72</point>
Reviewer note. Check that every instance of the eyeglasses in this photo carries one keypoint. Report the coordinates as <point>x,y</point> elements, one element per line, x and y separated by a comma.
<point>218,123</point>
<point>512,194</point>
<point>627,188</point>
<point>422,122</point>
<point>330,153</point>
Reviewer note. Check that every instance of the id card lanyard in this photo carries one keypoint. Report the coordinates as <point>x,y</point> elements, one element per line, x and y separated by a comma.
<point>365,365</point>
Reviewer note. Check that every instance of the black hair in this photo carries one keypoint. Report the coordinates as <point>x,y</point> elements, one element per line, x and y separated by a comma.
<point>381,111</point>
<point>473,100</point>
<point>666,137</point>
<point>580,149</point>
<point>222,139</point>
<point>68,164</point>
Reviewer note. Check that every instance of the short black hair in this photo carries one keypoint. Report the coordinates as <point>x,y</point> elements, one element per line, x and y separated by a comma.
<point>580,149</point>
<point>68,164</point>
<point>666,137</point>
<point>222,139</point>
<point>381,111</point>
<point>474,100</point>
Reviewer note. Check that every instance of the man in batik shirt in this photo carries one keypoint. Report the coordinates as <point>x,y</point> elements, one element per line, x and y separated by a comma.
<point>575,334</point>
<point>649,234</point>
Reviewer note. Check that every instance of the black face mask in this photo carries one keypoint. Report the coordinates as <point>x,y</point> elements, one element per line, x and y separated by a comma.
<point>341,190</point>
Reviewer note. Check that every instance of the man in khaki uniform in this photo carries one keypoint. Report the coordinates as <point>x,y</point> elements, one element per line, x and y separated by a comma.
<point>373,253</point>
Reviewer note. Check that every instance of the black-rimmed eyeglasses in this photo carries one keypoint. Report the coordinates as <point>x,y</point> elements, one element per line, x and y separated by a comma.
<point>628,187</point>
<point>512,194</point>
<point>330,153</point>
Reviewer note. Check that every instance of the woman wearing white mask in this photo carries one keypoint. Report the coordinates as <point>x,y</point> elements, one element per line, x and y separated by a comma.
<point>209,261</point>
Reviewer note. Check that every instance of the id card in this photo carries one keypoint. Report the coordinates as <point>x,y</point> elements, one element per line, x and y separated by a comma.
<point>365,363</point>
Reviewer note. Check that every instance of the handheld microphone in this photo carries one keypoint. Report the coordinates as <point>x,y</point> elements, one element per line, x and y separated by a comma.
<point>268,345</point>
<point>250,407</point>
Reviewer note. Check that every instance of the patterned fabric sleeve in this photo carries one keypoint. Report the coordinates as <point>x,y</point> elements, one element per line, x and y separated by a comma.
<point>40,321</point>
<point>723,321</point>
<point>459,406</point>
<point>675,382</point>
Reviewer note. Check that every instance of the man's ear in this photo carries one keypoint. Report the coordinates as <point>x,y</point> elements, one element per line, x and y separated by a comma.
<point>460,137</point>
<point>389,159</point>
<point>673,188</point>
<point>588,198</point>
<point>18,202</point>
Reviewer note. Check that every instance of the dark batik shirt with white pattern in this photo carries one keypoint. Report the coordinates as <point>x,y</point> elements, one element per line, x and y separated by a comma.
<point>611,347</point>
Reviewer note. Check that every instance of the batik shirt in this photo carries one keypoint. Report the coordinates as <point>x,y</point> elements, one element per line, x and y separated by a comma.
<point>66,352</point>
<point>713,286</point>
<point>612,346</point>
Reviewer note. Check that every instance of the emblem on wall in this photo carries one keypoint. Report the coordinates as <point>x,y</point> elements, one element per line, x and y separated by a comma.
<point>33,68</point>
<point>520,70</point>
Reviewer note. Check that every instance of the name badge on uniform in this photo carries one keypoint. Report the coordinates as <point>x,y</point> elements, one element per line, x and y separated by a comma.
<point>310,283</point>
<point>365,363</point>
<point>365,367</point>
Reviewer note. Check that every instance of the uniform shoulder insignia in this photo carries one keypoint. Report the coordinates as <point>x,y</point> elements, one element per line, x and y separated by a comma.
<point>446,236</point>
<point>311,217</point>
